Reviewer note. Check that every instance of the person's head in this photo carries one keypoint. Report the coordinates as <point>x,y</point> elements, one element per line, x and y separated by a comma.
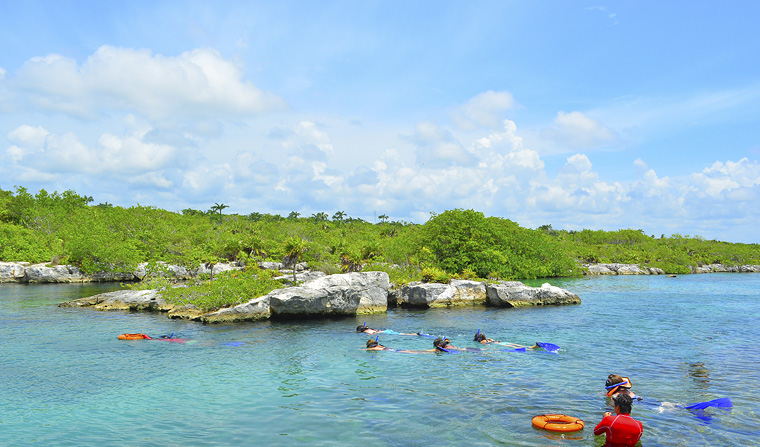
<point>622,403</point>
<point>616,383</point>
<point>361,328</point>
<point>479,337</point>
<point>372,343</point>
<point>441,343</point>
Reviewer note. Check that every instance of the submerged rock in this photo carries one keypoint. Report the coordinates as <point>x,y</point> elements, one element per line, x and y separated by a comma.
<point>517,294</point>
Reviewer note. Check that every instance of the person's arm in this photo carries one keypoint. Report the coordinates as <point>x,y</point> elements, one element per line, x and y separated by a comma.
<point>604,425</point>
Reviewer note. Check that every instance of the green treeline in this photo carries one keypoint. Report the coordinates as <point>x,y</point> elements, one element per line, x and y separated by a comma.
<point>66,228</point>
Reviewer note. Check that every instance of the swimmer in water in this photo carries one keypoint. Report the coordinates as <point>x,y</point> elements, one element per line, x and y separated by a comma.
<point>482,339</point>
<point>367,330</point>
<point>616,385</point>
<point>363,328</point>
<point>374,345</point>
<point>443,344</point>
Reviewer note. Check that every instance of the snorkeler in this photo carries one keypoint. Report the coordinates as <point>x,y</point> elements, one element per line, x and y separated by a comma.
<point>443,344</point>
<point>368,330</point>
<point>617,384</point>
<point>374,345</point>
<point>482,339</point>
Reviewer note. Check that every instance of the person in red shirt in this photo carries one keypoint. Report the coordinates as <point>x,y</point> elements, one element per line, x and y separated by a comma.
<point>621,429</point>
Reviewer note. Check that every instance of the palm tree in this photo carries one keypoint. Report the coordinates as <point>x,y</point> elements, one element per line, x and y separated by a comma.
<point>319,217</point>
<point>295,247</point>
<point>219,207</point>
<point>338,216</point>
<point>383,217</point>
<point>294,215</point>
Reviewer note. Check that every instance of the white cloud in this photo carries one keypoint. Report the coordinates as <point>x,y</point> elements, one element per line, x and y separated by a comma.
<point>576,130</point>
<point>437,147</point>
<point>649,184</point>
<point>197,84</point>
<point>41,150</point>
<point>722,178</point>
<point>29,136</point>
<point>483,110</point>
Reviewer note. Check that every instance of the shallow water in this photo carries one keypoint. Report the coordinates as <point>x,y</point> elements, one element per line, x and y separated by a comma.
<point>67,380</point>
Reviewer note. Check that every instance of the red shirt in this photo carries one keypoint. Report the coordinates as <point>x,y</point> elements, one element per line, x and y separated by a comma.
<point>621,429</point>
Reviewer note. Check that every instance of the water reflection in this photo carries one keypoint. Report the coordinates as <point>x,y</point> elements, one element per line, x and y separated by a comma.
<point>699,374</point>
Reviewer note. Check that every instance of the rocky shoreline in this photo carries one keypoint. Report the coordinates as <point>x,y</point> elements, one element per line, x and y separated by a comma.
<point>24,272</point>
<point>635,269</point>
<point>346,294</point>
<point>320,295</point>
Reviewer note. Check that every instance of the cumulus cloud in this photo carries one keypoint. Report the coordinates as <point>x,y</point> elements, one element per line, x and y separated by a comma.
<point>29,136</point>
<point>579,188</point>
<point>649,184</point>
<point>505,150</point>
<point>198,84</point>
<point>437,147</point>
<point>724,178</point>
<point>483,110</point>
<point>39,149</point>
<point>576,130</point>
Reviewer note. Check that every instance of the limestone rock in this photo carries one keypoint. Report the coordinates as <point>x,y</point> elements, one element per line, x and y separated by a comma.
<point>123,300</point>
<point>455,293</point>
<point>342,294</point>
<point>41,273</point>
<point>12,271</point>
<point>517,294</point>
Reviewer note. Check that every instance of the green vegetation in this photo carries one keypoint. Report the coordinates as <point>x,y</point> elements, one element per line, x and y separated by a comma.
<point>66,228</point>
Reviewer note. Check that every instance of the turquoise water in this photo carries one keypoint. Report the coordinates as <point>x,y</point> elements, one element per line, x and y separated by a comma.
<point>66,379</point>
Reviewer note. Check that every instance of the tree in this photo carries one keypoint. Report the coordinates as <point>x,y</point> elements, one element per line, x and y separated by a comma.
<point>319,217</point>
<point>338,216</point>
<point>219,207</point>
<point>294,215</point>
<point>383,218</point>
<point>295,247</point>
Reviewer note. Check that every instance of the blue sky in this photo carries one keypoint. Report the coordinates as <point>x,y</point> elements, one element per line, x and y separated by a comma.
<point>599,115</point>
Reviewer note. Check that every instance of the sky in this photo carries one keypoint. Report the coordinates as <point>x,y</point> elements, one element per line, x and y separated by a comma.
<point>580,115</point>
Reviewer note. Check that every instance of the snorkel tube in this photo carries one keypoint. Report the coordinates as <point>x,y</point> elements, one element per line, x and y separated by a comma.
<point>615,386</point>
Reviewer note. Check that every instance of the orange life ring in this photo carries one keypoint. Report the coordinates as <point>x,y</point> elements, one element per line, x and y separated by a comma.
<point>133,337</point>
<point>557,422</point>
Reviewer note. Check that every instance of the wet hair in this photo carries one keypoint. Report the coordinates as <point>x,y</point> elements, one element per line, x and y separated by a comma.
<point>440,343</point>
<point>613,379</point>
<point>479,337</point>
<point>372,343</point>
<point>624,402</point>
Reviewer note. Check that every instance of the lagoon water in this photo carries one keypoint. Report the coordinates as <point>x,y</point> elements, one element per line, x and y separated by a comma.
<point>65,379</point>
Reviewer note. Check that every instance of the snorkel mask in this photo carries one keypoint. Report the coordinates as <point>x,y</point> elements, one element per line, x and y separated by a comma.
<point>612,388</point>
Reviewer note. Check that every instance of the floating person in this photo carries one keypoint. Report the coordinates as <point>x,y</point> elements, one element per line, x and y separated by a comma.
<point>374,345</point>
<point>368,330</point>
<point>621,429</point>
<point>443,344</point>
<point>617,385</point>
<point>169,338</point>
<point>482,339</point>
